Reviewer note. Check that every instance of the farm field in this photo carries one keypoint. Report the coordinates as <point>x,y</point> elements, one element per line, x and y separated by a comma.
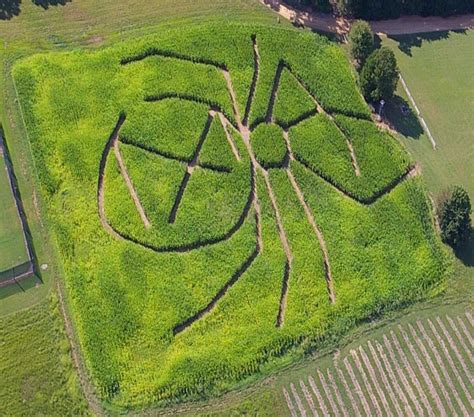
<point>12,244</point>
<point>184,248</point>
<point>420,368</point>
<point>35,367</point>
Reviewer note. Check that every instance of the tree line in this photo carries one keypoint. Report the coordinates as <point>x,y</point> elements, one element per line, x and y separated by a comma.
<point>390,9</point>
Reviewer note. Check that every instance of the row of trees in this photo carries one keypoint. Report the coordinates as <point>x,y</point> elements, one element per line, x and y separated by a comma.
<point>389,9</point>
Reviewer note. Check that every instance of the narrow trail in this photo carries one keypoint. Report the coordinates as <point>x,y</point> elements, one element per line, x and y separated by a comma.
<point>100,188</point>
<point>190,168</point>
<point>128,182</point>
<point>312,222</point>
<point>321,110</point>
<point>225,126</point>
<point>286,247</point>
<point>86,385</point>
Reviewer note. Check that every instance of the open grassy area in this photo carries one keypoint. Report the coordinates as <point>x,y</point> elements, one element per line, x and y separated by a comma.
<point>12,244</point>
<point>37,374</point>
<point>438,71</point>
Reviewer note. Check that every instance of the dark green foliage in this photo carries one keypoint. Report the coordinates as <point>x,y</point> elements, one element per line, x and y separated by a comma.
<point>454,217</point>
<point>269,145</point>
<point>361,41</point>
<point>377,10</point>
<point>379,76</point>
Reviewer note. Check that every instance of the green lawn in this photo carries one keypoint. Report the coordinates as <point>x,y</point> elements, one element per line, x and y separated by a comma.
<point>36,371</point>
<point>438,71</point>
<point>12,245</point>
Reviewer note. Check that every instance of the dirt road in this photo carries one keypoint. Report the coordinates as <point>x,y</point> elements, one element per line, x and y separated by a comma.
<point>339,25</point>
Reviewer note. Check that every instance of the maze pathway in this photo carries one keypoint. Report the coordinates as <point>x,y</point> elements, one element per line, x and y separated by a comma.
<point>423,368</point>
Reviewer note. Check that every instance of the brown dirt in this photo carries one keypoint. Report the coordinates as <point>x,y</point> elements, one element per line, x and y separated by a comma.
<point>453,345</point>
<point>386,379</point>
<point>321,403</point>
<point>449,359</point>
<point>299,403</point>
<point>461,339</point>
<point>406,366</point>
<point>423,371</point>
<point>328,394</point>
<point>337,394</point>
<point>432,368</point>
<point>128,182</point>
<point>357,387</point>
<point>289,403</point>
<point>341,26</point>
<point>352,400</point>
<point>309,398</point>
<point>374,379</point>
<point>365,380</point>
<point>441,364</point>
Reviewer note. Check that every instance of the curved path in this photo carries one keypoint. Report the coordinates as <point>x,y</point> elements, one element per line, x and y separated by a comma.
<point>340,25</point>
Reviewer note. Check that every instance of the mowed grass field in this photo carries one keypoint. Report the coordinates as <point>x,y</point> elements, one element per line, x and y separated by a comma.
<point>438,71</point>
<point>36,371</point>
<point>12,244</point>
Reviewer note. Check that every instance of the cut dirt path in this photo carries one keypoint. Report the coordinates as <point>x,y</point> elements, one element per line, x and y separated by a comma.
<point>341,26</point>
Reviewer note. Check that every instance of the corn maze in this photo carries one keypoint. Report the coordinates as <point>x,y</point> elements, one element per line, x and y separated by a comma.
<point>420,369</point>
<point>220,197</point>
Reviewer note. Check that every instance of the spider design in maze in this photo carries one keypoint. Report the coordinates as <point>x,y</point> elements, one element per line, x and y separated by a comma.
<point>244,130</point>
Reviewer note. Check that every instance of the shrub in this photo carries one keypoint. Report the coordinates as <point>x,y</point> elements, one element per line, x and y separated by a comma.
<point>454,217</point>
<point>379,75</point>
<point>361,41</point>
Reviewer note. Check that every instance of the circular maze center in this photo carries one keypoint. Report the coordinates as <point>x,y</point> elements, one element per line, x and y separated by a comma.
<point>269,145</point>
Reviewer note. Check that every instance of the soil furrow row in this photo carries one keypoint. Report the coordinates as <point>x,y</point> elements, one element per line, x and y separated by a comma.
<point>424,373</point>
<point>319,397</point>
<point>461,339</point>
<point>405,365</point>
<point>328,394</point>
<point>339,400</point>
<point>357,387</point>
<point>441,361</point>
<point>289,403</point>
<point>374,379</point>
<point>389,382</point>
<point>365,381</point>
<point>297,398</point>
<point>432,368</point>
<point>451,343</point>
<point>352,400</point>
<point>309,399</point>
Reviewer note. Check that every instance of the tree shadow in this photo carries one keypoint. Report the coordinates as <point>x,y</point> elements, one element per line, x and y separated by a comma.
<point>400,116</point>
<point>45,4</point>
<point>9,9</point>
<point>466,252</point>
<point>407,42</point>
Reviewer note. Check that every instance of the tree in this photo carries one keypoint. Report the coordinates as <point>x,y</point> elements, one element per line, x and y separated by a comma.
<point>379,75</point>
<point>361,41</point>
<point>454,217</point>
